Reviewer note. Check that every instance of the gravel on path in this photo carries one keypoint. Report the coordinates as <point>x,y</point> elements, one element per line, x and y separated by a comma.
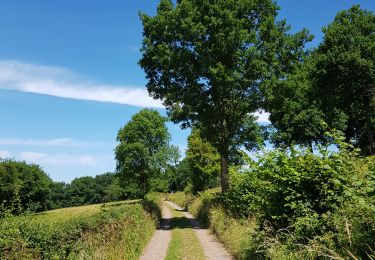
<point>158,245</point>
<point>213,249</point>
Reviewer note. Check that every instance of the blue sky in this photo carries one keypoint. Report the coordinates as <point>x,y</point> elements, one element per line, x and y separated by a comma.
<point>69,77</point>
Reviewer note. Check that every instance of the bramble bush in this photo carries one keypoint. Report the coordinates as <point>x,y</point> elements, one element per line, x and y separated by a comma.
<point>308,204</point>
<point>293,204</point>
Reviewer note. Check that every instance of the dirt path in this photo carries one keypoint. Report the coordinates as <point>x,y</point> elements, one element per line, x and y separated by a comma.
<point>158,245</point>
<point>212,248</point>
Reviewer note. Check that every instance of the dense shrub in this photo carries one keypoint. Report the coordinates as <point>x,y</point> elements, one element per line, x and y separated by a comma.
<point>295,204</point>
<point>152,203</point>
<point>307,204</point>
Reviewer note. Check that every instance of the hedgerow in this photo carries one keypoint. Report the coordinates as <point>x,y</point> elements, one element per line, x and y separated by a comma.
<point>110,231</point>
<point>291,204</point>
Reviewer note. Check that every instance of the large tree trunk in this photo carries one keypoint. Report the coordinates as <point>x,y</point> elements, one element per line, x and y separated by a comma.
<point>224,172</point>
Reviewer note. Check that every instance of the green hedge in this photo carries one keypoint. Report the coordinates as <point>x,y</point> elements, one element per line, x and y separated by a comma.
<point>296,205</point>
<point>109,232</point>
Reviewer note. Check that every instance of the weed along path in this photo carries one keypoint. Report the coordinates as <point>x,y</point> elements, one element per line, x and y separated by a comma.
<point>180,236</point>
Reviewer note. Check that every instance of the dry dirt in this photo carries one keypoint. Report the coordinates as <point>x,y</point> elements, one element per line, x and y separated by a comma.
<point>158,245</point>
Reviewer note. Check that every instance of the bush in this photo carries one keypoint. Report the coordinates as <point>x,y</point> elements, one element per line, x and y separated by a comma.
<point>294,204</point>
<point>23,187</point>
<point>306,205</point>
<point>201,205</point>
<point>152,203</point>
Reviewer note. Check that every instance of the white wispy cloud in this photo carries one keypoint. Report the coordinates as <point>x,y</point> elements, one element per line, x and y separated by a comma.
<point>5,154</point>
<point>60,82</point>
<point>58,159</point>
<point>52,142</point>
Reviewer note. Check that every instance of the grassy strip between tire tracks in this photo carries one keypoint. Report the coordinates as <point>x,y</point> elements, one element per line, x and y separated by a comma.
<point>185,243</point>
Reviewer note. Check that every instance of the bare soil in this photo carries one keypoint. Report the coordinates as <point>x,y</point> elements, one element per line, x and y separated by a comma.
<point>158,245</point>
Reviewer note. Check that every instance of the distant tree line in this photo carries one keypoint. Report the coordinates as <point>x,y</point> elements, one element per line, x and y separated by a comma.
<point>27,188</point>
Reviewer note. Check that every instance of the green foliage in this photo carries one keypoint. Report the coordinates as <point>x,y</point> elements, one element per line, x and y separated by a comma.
<point>201,205</point>
<point>169,158</point>
<point>23,187</point>
<point>152,202</point>
<point>240,236</point>
<point>144,155</point>
<point>82,191</point>
<point>318,204</point>
<point>181,198</point>
<point>204,162</point>
<point>86,190</point>
<point>102,232</point>
<point>181,177</point>
<point>294,204</point>
<point>208,60</point>
<point>333,84</point>
<point>343,76</point>
<point>295,117</point>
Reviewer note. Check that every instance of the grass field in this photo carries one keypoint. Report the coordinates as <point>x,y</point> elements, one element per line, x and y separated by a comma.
<point>117,230</point>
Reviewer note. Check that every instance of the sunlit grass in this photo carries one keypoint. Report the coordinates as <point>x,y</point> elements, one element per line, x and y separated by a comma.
<point>185,243</point>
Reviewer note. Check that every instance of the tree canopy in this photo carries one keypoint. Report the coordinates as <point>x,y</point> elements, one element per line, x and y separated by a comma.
<point>208,60</point>
<point>344,75</point>
<point>23,187</point>
<point>141,152</point>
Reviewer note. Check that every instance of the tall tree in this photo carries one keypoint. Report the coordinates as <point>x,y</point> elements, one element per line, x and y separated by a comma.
<point>296,116</point>
<point>207,62</point>
<point>344,74</point>
<point>142,140</point>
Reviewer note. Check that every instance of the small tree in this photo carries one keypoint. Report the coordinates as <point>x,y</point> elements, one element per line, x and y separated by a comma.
<point>138,156</point>
<point>208,60</point>
<point>204,162</point>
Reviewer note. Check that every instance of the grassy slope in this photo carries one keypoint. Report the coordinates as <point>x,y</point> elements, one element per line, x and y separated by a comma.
<point>109,231</point>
